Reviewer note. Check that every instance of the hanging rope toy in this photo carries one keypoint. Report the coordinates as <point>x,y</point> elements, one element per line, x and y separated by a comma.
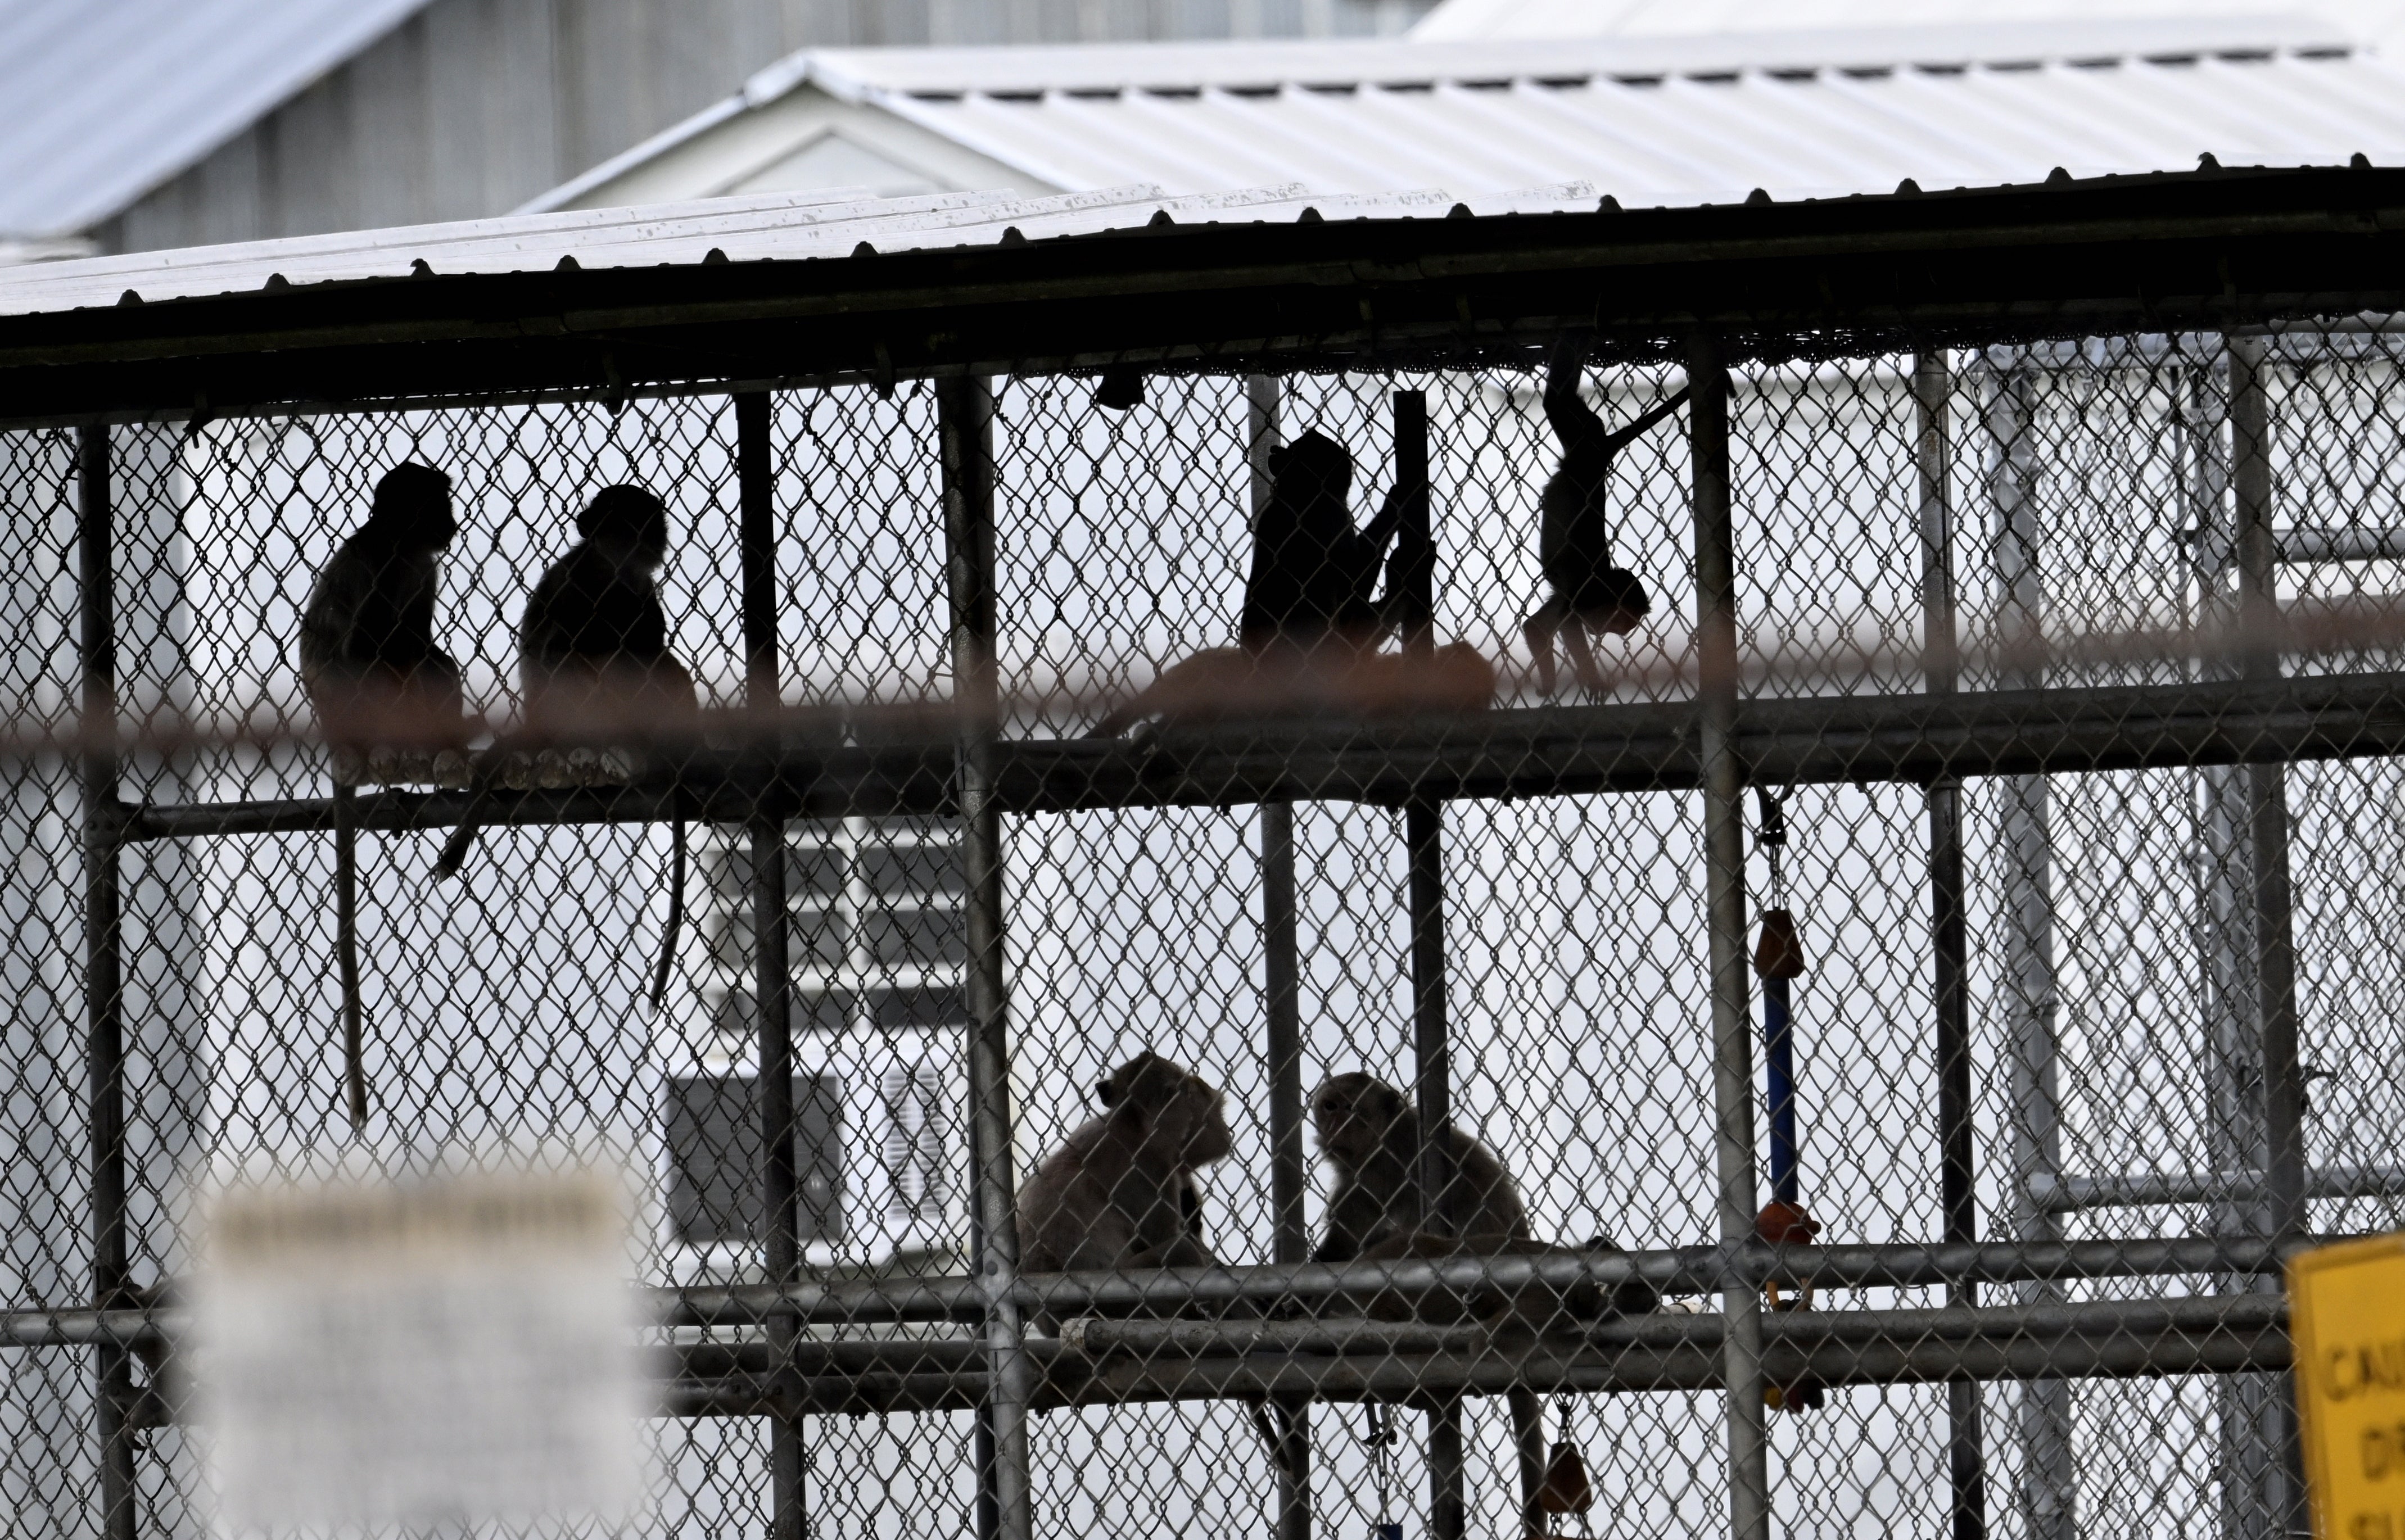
<point>1566,1488</point>
<point>1379,1433</point>
<point>1779,958</point>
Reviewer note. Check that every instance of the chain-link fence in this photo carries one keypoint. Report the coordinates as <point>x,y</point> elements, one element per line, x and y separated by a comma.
<point>2044,687</point>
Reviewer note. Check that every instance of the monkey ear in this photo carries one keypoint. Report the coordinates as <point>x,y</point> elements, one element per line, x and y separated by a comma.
<point>1104,1092</point>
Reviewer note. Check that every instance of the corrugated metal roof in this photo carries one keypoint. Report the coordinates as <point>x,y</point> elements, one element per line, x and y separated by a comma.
<point>1651,120</point>
<point>785,225</point>
<point>2380,22</point>
<point>103,100</point>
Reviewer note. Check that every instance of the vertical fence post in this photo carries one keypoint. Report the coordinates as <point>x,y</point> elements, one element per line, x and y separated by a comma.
<point>1749,1452</point>
<point>1949,930</point>
<point>1423,842</point>
<point>103,980</point>
<point>2275,960</point>
<point>2048,1491</point>
<point>2235,1139</point>
<point>771,921</point>
<point>964,409</point>
<point>1281,979</point>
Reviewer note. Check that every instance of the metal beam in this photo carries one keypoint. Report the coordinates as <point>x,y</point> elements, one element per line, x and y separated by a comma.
<point>1565,750</point>
<point>104,940</point>
<point>771,922</point>
<point>1948,912</point>
<point>1282,1005</point>
<point>2175,253</point>
<point>2250,1188</point>
<point>964,414</point>
<point>1690,1270</point>
<point>1732,1010</point>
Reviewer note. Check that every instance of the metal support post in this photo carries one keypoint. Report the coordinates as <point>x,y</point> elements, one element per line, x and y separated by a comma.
<point>771,921</point>
<point>104,979</point>
<point>1423,840</point>
<point>2274,959</point>
<point>2236,1140</point>
<point>1281,980</point>
<point>1948,929</point>
<point>2049,1481</point>
<point>964,413</point>
<point>1716,688</point>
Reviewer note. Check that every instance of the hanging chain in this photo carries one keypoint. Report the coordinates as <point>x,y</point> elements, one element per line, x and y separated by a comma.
<point>1771,839</point>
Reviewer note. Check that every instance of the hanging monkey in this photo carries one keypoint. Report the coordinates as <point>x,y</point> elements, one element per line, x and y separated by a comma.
<point>1591,598</point>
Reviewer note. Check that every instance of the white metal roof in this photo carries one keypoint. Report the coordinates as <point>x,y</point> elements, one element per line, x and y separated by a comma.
<point>1648,119</point>
<point>2379,22</point>
<point>103,100</point>
<point>787,225</point>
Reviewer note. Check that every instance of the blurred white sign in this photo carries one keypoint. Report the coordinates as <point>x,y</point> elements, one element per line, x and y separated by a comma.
<point>443,1351</point>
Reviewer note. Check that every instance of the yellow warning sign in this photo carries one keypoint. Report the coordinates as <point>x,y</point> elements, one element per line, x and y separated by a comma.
<point>2346,1316</point>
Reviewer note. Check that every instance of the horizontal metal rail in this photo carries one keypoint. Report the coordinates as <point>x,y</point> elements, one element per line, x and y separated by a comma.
<point>1682,1270</point>
<point>1910,738</point>
<point>2305,544</point>
<point>2065,1193</point>
<point>1418,1378</point>
<point>1108,1361</point>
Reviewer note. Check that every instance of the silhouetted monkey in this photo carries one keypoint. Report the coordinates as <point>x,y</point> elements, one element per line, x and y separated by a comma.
<point>1369,1132</point>
<point>593,646</point>
<point>594,661</point>
<point>1121,1191</point>
<point>1311,619</point>
<point>376,681</point>
<point>1591,596</point>
<point>1313,575</point>
<point>368,658</point>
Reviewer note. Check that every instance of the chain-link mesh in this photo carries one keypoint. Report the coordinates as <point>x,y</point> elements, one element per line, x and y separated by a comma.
<point>2158,869</point>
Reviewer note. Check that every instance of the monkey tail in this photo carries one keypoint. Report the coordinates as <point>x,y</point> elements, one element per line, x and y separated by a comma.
<point>480,798</point>
<point>346,948</point>
<point>676,912</point>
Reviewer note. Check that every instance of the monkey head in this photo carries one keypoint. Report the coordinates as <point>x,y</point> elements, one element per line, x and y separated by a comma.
<point>629,524</point>
<point>413,508</point>
<point>1313,468</point>
<point>1180,1117</point>
<point>1355,1116</point>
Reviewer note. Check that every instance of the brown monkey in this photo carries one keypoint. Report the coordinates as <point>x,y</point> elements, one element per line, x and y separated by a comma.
<point>1121,1193</point>
<point>1369,1132</point>
<point>368,658</point>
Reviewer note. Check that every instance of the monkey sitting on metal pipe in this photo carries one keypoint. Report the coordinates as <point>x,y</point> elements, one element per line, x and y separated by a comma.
<point>1370,1133</point>
<point>593,645</point>
<point>1120,1192</point>
<point>368,658</point>
<point>593,651</point>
